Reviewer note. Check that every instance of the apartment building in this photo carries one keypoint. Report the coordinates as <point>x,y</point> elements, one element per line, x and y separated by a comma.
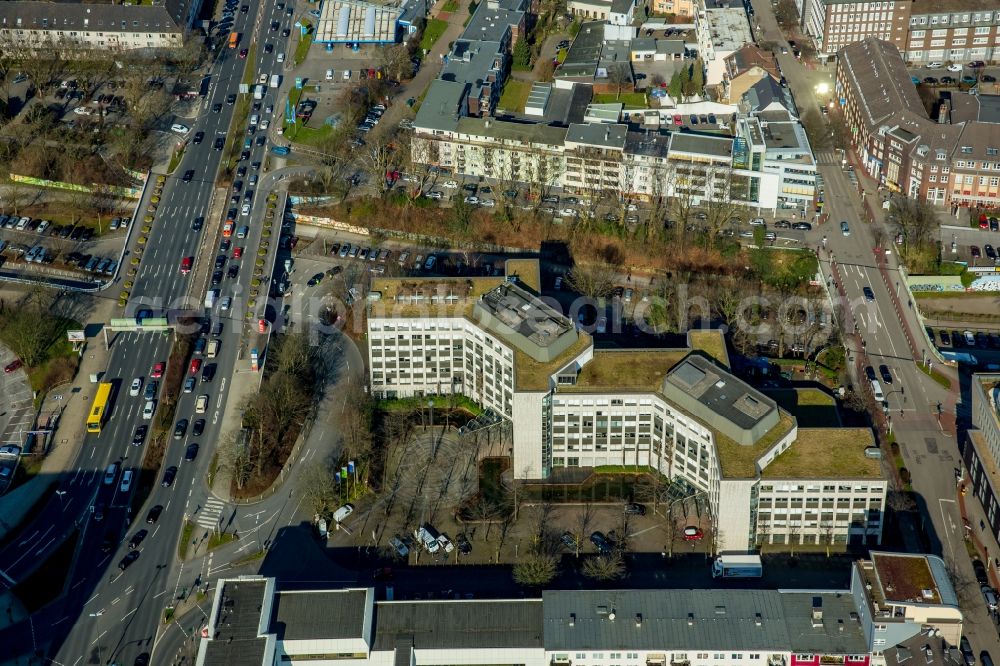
<point>721,30</point>
<point>744,68</point>
<point>685,8</point>
<point>883,617</point>
<point>982,447</point>
<point>494,341</point>
<point>953,30</point>
<point>44,26</point>
<point>953,160</point>
<point>776,143</point>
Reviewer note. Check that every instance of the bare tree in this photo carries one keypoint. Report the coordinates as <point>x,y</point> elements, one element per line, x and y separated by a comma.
<point>604,567</point>
<point>620,75</point>
<point>593,280</point>
<point>377,158</point>
<point>584,521</point>
<point>318,488</point>
<point>535,569</point>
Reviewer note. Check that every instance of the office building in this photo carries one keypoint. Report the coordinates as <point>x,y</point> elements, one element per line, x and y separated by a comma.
<point>982,447</point>
<point>952,160</point>
<point>679,411</point>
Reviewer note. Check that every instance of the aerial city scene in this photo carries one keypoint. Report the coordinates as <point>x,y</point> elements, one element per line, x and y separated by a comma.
<point>499,332</point>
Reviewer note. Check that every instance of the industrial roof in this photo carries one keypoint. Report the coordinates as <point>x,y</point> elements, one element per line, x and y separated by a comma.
<point>356,22</point>
<point>170,16</point>
<point>237,639</point>
<point>717,619</point>
<point>457,624</point>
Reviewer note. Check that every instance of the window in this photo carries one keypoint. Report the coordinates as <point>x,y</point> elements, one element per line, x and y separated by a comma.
<point>967,149</point>
<point>992,151</point>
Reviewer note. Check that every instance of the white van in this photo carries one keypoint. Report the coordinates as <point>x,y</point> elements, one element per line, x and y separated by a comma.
<point>213,348</point>
<point>210,298</point>
<point>427,537</point>
<point>147,411</point>
<point>877,390</point>
<point>329,75</point>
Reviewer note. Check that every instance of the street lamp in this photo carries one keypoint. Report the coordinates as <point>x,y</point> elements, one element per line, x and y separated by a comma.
<point>61,493</point>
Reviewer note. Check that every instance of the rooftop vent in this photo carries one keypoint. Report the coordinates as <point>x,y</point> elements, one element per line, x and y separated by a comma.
<point>927,594</point>
<point>611,615</point>
<point>638,619</point>
<point>817,611</point>
<point>757,619</point>
<point>690,619</point>
<point>572,619</point>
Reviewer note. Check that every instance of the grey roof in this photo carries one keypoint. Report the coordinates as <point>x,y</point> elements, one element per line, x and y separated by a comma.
<point>170,16</point>
<point>650,144</point>
<point>585,51</point>
<point>237,640</point>
<point>644,44</point>
<point>442,105</point>
<point>493,22</point>
<point>459,624</point>
<point>766,92</point>
<point>326,614</point>
<point>984,108</point>
<point>670,46</point>
<point>785,135</point>
<point>525,321</point>
<point>595,134</point>
<point>622,6</point>
<point>688,142</point>
<point>912,652</point>
<point>717,619</point>
<point>720,400</point>
<point>412,11</point>
<point>531,132</point>
<point>875,68</point>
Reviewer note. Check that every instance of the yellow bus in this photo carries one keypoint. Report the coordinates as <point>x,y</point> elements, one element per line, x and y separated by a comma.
<point>234,39</point>
<point>99,410</point>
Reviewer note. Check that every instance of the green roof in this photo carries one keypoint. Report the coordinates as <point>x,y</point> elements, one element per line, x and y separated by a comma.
<point>820,453</point>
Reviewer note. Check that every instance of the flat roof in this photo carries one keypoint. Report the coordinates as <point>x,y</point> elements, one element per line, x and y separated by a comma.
<point>236,639</point>
<point>525,314</point>
<point>430,296</point>
<point>605,135</point>
<point>908,578</point>
<point>700,144</point>
<point>497,624</point>
<point>714,619</point>
<point>722,393</point>
<point>526,271</point>
<point>729,27</point>
<point>320,614</point>
<point>625,370</point>
<point>354,21</point>
<point>712,342</point>
<point>819,453</point>
<point>533,375</point>
<point>739,461</point>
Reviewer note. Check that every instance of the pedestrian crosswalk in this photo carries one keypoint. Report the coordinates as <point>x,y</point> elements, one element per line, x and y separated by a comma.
<point>827,157</point>
<point>208,517</point>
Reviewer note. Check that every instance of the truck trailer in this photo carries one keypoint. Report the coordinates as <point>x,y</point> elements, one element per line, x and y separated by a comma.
<point>737,566</point>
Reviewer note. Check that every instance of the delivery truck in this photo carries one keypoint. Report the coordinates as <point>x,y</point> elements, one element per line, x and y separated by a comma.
<point>737,566</point>
<point>213,348</point>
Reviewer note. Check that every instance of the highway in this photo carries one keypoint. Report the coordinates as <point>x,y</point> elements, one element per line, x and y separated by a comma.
<point>106,613</point>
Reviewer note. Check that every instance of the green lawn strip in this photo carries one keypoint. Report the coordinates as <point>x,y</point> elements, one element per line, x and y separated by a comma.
<point>182,545</point>
<point>515,95</point>
<point>248,70</point>
<point>633,100</point>
<point>935,375</point>
<point>432,32</point>
<point>302,48</point>
<point>175,160</point>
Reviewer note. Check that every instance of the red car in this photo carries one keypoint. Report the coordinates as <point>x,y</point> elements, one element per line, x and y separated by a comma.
<point>12,366</point>
<point>237,252</point>
<point>186,263</point>
<point>678,120</point>
<point>158,370</point>
<point>195,366</point>
<point>692,533</point>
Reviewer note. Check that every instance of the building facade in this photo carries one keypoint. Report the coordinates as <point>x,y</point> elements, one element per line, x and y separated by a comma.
<point>982,447</point>
<point>881,618</point>
<point>953,160</point>
<point>570,406</point>
<point>69,26</point>
<point>960,31</point>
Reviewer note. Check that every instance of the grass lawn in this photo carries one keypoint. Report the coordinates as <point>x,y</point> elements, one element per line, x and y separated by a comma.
<point>175,159</point>
<point>307,136</point>
<point>249,75</point>
<point>561,55</point>
<point>182,545</point>
<point>634,100</point>
<point>515,94</point>
<point>302,48</point>
<point>60,361</point>
<point>432,32</point>
<point>450,6</point>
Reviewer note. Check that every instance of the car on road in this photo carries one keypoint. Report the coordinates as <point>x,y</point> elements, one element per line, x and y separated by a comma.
<point>110,473</point>
<point>198,428</point>
<point>985,658</point>
<point>968,656</point>
<point>446,543</point>
<point>974,251</point>
<point>692,533</point>
<point>463,544</point>
<point>137,539</point>
<point>217,108</point>
<point>180,428</point>
<point>168,477</point>
<point>219,144</point>
<point>208,372</point>
<point>870,373</point>
<point>140,435</point>
<point>150,392</point>
<point>195,366</point>
<point>869,294</point>
<point>845,228</point>
<point>126,483</point>
<point>989,596</point>
<point>989,251</point>
<point>189,384</point>
<point>886,375</point>
<point>198,138</point>
<point>243,53</point>
<point>12,366</point>
<point>802,226</point>
<point>154,514</point>
<point>136,386</point>
<point>127,561</point>
<point>635,509</point>
<point>979,569</point>
<point>180,129</point>
<point>600,542</point>
<point>158,369</point>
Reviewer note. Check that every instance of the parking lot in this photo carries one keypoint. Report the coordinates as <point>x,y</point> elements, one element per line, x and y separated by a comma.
<point>27,242</point>
<point>976,247</point>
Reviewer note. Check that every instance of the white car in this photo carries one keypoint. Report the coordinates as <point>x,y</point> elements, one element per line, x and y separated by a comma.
<point>226,303</point>
<point>472,199</point>
<point>567,212</point>
<point>180,129</point>
<point>487,203</point>
<point>446,543</point>
<point>451,185</point>
<point>126,481</point>
<point>136,386</point>
<point>343,512</point>
<point>82,111</point>
<point>264,124</point>
<point>435,194</point>
<point>262,78</point>
<point>147,411</point>
<point>758,222</point>
<point>934,65</point>
<point>347,75</point>
<point>245,210</point>
<point>955,67</point>
<point>281,57</point>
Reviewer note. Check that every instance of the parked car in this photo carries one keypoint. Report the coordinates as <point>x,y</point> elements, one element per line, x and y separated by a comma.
<point>600,542</point>
<point>692,533</point>
<point>635,509</point>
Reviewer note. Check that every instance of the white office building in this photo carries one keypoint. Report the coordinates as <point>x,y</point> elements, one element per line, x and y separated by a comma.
<point>678,411</point>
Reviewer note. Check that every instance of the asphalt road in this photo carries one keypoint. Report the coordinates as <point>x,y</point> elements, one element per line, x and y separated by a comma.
<point>112,614</point>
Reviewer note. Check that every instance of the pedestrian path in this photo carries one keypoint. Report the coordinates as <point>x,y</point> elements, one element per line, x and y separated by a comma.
<point>208,517</point>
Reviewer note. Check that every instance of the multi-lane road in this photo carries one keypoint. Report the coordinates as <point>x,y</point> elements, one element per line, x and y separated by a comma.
<point>105,612</point>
